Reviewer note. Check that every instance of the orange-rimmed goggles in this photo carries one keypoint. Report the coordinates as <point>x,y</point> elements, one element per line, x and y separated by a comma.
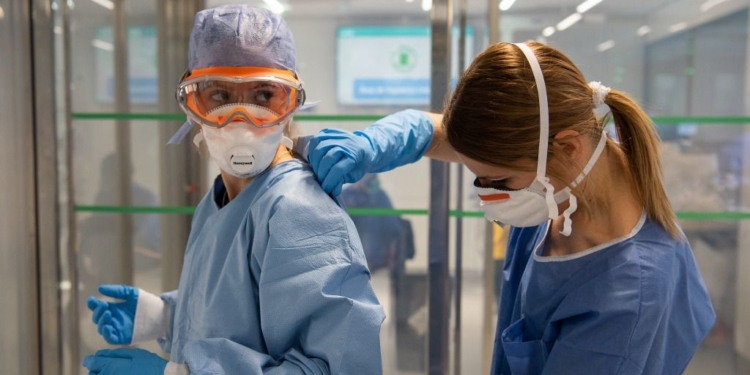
<point>218,96</point>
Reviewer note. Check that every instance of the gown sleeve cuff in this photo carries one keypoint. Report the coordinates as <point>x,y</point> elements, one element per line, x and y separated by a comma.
<point>151,317</point>
<point>173,368</point>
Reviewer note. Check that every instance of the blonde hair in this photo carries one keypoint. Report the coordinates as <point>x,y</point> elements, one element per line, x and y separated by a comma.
<point>493,117</point>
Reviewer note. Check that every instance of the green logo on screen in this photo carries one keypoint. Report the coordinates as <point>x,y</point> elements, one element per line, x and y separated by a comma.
<point>404,59</point>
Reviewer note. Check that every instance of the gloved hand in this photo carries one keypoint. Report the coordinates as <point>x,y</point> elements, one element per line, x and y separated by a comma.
<point>115,320</point>
<point>125,361</point>
<point>339,157</point>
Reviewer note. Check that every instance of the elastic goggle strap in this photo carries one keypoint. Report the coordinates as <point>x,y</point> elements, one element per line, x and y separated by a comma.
<point>181,133</point>
<point>541,166</point>
<point>309,105</point>
<point>233,73</point>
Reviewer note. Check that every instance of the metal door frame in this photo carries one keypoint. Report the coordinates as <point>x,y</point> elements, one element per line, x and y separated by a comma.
<point>46,195</point>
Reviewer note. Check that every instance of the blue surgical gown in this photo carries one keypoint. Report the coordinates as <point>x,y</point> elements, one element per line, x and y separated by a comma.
<point>274,282</point>
<point>635,305</point>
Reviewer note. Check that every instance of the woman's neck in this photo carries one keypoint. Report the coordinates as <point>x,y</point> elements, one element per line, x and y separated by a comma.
<point>613,213</point>
<point>235,185</point>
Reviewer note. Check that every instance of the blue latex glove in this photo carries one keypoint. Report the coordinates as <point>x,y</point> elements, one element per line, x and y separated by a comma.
<point>124,362</point>
<point>114,320</point>
<point>338,156</point>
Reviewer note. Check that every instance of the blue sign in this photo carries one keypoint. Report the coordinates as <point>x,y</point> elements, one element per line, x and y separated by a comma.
<point>388,65</point>
<point>395,89</point>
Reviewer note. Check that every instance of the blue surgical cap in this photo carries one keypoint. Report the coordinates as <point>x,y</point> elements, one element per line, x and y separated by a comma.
<point>240,35</point>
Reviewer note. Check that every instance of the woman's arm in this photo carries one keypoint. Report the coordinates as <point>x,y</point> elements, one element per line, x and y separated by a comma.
<point>338,156</point>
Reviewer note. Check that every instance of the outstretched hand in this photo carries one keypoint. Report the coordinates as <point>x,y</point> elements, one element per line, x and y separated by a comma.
<point>115,320</point>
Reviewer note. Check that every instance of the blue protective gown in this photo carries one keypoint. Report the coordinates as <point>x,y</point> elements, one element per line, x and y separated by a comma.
<point>275,282</point>
<point>636,305</point>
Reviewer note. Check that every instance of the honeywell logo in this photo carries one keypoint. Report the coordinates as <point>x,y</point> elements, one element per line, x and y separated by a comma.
<point>242,163</point>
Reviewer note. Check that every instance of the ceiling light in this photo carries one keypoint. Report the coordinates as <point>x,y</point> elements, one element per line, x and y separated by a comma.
<point>678,27</point>
<point>643,30</point>
<point>506,4</point>
<point>548,31</point>
<point>586,5</point>
<point>710,4</point>
<point>275,6</point>
<point>606,45</point>
<point>409,1</point>
<point>426,5</point>
<point>568,22</point>
<point>105,3</point>
<point>103,45</point>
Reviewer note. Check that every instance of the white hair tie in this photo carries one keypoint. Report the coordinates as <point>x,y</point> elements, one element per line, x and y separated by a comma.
<point>600,93</point>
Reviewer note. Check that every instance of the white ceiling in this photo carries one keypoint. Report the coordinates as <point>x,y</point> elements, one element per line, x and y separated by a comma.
<point>367,8</point>
<point>533,11</point>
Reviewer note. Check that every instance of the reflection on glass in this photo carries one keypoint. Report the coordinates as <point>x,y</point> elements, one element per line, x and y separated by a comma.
<point>97,247</point>
<point>679,58</point>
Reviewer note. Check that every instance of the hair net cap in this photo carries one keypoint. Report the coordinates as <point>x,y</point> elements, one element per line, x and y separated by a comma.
<point>241,35</point>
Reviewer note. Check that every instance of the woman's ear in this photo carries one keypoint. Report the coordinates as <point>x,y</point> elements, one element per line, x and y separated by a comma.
<point>569,142</point>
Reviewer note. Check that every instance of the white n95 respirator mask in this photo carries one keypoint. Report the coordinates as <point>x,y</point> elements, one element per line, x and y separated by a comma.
<point>519,208</point>
<point>242,149</point>
<point>528,207</point>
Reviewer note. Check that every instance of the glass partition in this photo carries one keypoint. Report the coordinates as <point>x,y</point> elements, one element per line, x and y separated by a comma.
<point>684,62</point>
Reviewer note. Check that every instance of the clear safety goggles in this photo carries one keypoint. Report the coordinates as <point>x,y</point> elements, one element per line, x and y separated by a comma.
<point>217,96</point>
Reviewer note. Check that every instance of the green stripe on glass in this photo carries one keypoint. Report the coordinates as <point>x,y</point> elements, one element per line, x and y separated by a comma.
<point>181,117</point>
<point>382,212</point>
<point>386,212</point>
<point>338,117</point>
<point>713,215</point>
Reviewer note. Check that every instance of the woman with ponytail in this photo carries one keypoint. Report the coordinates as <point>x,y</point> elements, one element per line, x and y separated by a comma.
<point>598,278</point>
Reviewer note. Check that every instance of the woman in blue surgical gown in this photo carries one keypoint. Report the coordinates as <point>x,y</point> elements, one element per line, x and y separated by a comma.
<point>598,278</point>
<point>274,279</point>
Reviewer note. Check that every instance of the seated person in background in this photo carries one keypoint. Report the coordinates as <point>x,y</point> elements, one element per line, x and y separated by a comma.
<point>381,235</point>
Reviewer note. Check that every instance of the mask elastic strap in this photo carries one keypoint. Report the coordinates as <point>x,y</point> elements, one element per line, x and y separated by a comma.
<point>198,139</point>
<point>567,222</point>
<point>287,142</point>
<point>302,146</point>
<point>572,200</point>
<point>541,166</point>
<point>594,157</point>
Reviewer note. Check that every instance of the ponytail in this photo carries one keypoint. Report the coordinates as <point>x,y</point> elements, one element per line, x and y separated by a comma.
<point>640,143</point>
